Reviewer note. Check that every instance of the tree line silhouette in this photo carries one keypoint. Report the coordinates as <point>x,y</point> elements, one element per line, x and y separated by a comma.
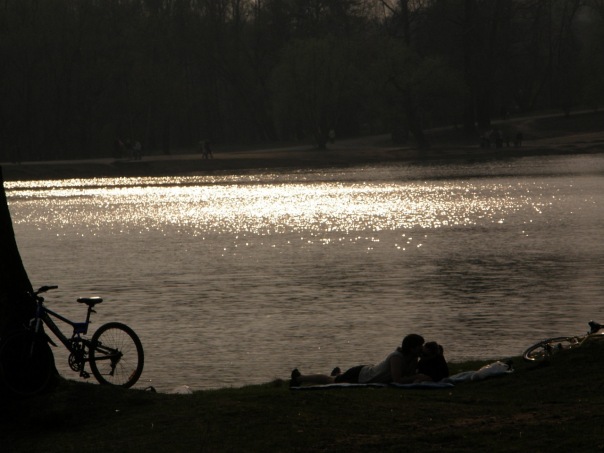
<point>78,74</point>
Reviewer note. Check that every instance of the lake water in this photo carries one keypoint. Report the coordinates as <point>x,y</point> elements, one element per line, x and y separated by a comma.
<point>232,280</point>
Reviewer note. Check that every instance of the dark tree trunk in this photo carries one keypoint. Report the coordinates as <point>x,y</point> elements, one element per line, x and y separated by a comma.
<point>469,60</point>
<point>414,123</point>
<point>16,306</point>
<point>165,139</point>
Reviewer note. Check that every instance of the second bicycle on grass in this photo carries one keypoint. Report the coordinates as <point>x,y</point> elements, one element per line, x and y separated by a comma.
<point>550,346</point>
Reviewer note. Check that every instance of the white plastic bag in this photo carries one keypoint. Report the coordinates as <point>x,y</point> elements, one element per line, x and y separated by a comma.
<point>182,390</point>
<point>493,369</point>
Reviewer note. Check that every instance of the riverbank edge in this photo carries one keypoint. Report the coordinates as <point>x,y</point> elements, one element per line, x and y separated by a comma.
<point>345,154</point>
<point>552,406</point>
<point>544,133</point>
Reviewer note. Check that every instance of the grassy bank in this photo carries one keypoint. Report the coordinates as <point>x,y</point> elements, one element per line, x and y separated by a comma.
<point>555,407</point>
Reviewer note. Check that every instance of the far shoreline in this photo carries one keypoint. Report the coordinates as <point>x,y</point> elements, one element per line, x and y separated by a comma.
<point>546,134</point>
<point>279,159</point>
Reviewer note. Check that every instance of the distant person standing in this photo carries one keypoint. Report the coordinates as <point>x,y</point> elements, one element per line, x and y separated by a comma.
<point>518,140</point>
<point>138,150</point>
<point>129,149</point>
<point>499,139</point>
<point>118,148</point>
<point>207,150</point>
<point>332,136</point>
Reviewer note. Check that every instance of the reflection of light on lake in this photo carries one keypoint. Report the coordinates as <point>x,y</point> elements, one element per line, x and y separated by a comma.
<point>200,205</point>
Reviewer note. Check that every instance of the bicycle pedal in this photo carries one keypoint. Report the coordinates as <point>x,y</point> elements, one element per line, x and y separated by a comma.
<point>84,374</point>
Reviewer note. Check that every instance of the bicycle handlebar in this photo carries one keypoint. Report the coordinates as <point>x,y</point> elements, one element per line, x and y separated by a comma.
<point>43,289</point>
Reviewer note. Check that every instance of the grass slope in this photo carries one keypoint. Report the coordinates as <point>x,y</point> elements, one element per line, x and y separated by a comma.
<point>554,407</point>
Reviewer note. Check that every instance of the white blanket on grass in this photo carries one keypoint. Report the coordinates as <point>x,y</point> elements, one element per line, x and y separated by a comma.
<point>419,385</point>
<point>491,370</point>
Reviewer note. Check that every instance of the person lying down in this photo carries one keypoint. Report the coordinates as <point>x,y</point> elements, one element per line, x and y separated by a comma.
<point>412,362</point>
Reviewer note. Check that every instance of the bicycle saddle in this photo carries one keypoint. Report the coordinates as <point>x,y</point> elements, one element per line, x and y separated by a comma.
<point>90,301</point>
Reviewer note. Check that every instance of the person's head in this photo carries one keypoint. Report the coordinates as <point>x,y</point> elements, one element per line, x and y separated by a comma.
<point>432,362</point>
<point>432,349</point>
<point>412,344</point>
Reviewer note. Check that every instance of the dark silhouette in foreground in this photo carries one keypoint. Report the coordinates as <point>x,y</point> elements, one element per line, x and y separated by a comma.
<point>17,306</point>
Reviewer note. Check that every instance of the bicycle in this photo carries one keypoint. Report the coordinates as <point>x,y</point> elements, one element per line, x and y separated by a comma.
<point>114,352</point>
<point>550,346</point>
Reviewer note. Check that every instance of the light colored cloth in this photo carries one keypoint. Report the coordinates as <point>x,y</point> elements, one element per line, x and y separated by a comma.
<point>491,370</point>
<point>182,390</point>
<point>419,385</point>
<point>381,373</point>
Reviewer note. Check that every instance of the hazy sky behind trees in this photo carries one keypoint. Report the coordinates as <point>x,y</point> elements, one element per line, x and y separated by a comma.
<point>76,74</point>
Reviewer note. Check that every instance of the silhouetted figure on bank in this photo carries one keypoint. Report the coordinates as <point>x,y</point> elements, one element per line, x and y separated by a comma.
<point>499,139</point>
<point>129,149</point>
<point>118,148</point>
<point>206,150</point>
<point>518,140</point>
<point>138,150</point>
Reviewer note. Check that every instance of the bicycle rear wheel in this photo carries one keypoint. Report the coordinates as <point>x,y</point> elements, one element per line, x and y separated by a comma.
<point>26,363</point>
<point>116,355</point>
<point>546,348</point>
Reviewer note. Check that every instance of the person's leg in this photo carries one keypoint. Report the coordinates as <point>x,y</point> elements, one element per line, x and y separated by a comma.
<point>298,379</point>
<point>350,376</point>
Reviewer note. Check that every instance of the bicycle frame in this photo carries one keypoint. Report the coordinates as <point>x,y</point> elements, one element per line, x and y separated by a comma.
<point>79,328</point>
<point>44,315</point>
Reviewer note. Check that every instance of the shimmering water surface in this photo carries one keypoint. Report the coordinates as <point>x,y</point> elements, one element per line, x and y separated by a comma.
<point>236,279</point>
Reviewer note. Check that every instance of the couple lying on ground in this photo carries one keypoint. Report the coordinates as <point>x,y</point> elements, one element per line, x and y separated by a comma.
<point>414,361</point>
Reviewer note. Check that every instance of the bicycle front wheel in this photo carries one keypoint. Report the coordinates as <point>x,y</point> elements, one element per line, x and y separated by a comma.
<point>546,348</point>
<point>116,355</point>
<point>26,363</point>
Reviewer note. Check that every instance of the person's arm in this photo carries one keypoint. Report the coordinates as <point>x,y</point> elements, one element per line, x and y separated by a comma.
<point>398,374</point>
